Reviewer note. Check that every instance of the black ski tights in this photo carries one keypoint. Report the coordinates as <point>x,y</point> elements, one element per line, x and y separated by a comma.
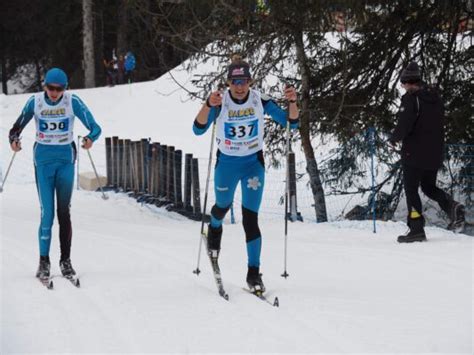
<point>413,178</point>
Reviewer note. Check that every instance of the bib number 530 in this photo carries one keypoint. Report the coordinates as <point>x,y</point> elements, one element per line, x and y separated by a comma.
<point>53,126</point>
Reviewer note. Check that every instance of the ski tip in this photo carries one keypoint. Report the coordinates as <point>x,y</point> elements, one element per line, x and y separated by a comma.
<point>276,302</point>
<point>50,285</point>
<point>224,295</point>
<point>77,283</point>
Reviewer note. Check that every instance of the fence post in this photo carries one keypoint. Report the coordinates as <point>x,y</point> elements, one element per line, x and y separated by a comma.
<point>178,192</point>
<point>108,160</point>
<point>163,162</point>
<point>294,215</point>
<point>120,171</point>
<point>196,188</point>
<point>169,175</point>
<point>144,143</point>
<point>126,165</point>
<point>114,161</point>
<point>187,181</point>
<point>159,152</point>
<point>152,177</point>
<point>136,167</point>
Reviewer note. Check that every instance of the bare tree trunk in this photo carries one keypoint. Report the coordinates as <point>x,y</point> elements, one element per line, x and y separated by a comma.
<point>88,44</point>
<point>122,44</point>
<point>4,74</point>
<point>311,164</point>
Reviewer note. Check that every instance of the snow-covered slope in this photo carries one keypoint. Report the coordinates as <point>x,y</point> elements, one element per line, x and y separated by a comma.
<point>349,290</point>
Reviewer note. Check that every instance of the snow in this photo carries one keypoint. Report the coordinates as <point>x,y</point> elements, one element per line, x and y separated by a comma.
<point>349,290</point>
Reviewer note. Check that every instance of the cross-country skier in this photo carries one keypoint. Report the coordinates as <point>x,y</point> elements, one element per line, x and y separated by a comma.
<point>54,155</point>
<point>239,115</point>
<point>420,127</point>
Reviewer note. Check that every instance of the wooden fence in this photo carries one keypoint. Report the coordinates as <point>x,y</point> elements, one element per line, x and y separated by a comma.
<point>152,173</point>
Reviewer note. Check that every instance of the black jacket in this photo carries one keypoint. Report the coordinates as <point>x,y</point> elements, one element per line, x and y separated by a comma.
<point>420,127</point>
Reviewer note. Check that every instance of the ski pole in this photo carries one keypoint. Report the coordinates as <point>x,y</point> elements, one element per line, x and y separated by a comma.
<point>77,172</point>
<point>287,187</point>
<point>206,193</point>
<point>287,192</point>
<point>197,271</point>
<point>8,170</point>
<point>104,196</point>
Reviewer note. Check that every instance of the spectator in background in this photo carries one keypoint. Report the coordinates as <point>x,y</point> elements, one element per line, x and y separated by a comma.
<point>114,66</point>
<point>420,127</point>
<point>121,69</point>
<point>109,72</point>
<point>129,66</point>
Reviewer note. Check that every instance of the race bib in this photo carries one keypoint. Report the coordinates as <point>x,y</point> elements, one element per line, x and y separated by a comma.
<point>54,126</point>
<point>54,123</point>
<point>241,130</point>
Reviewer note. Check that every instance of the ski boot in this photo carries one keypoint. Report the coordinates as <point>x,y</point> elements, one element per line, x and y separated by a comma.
<point>43,268</point>
<point>416,232</point>
<point>66,268</point>
<point>254,280</point>
<point>214,236</point>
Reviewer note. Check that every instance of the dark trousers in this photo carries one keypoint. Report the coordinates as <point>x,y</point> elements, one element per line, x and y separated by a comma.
<point>413,178</point>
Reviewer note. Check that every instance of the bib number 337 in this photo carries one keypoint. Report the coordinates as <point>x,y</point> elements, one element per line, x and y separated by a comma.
<point>240,131</point>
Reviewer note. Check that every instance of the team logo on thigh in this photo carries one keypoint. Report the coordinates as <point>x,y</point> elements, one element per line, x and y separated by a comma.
<point>253,183</point>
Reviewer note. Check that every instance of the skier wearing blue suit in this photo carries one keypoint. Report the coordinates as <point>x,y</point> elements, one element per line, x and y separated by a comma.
<point>54,111</point>
<point>239,117</point>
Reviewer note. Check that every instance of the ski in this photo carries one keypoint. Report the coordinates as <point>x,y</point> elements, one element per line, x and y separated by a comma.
<point>215,270</point>
<point>261,296</point>
<point>74,280</point>
<point>217,277</point>
<point>46,282</point>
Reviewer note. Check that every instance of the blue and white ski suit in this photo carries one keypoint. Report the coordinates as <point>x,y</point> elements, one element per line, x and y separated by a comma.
<point>239,136</point>
<point>54,158</point>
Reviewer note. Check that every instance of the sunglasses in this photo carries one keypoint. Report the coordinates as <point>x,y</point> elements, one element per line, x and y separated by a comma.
<point>239,81</point>
<point>55,88</point>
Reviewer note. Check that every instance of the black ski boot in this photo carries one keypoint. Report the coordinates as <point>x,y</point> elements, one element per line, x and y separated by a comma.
<point>254,280</point>
<point>66,268</point>
<point>214,236</point>
<point>43,268</point>
<point>416,232</point>
<point>457,217</point>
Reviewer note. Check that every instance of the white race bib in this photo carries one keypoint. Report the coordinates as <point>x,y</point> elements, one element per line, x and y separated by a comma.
<point>240,127</point>
<point>54,124</point>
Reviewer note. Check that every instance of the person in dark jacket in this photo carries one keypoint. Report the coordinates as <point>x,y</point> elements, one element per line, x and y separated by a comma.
<point>420,127</point>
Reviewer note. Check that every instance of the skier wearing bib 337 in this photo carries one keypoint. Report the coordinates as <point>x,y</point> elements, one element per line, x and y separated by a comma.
<point>239,117</point>
<point>54,156</point>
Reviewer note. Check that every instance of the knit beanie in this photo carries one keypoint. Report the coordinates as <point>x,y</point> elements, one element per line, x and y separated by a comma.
<point>411,74</point>
<point>56,76</point>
